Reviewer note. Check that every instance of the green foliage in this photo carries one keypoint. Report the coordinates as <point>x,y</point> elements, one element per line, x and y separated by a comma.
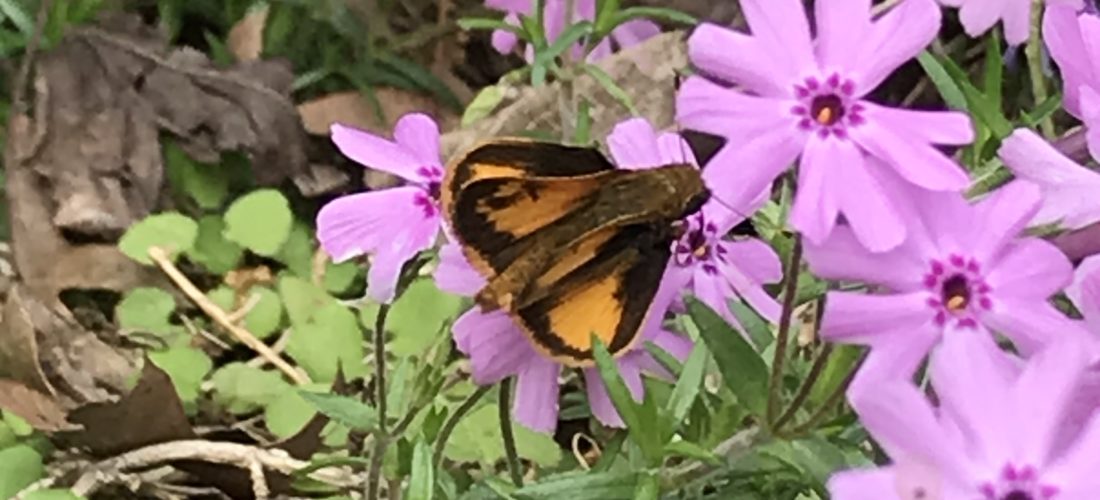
<point>187,367</point>
<point>324,334</point>
<point>289,412</point>
<point>241,389</point>
<point>264,318</point>
<point>478,439</point>
<point>171,231</point>
<point>743,370</point>
<point>206,185</point>
<point>417,318</point>
<point>20,465</point>
<point>347,410</point>
<point>147,310</point>
<point>212,250</point>
<point>259,221</point>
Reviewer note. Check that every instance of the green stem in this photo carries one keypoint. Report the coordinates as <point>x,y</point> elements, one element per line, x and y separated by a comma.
<point>807,385</point>
<point>1033,51</point>
<point>452,421</point>
<point>818,416</point>
<point>504,409</point>
<point>381,437</point>
<point>775,386</point>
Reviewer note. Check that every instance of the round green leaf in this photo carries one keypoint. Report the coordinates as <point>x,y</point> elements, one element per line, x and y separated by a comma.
<point>187,367</point>
<point>329,338</point>
<point>259,221</point>
<point>170,230</point>
<point>417,317</point>
<point>20,466</point>
<point>148,310</point>
<point>208,185</point>
<point>477,438</point>
<point>288,413</point>
<point>240,388</point>
<point>339,278</point>
<point>52,494</point>
<point>265,317</point>
<point>217,254</point>
<point>297,253</point>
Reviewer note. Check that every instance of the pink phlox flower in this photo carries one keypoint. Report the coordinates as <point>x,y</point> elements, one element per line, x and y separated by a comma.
<point>391,225</point>
<point>995,435</point>
<point>497,349</point>
<point>964,270</point>
<point>625,35</point>
<point>1069,190</point>
<point>801,97</point>
<point>704,263</point>
<point>1071,38</point>
<point>978,16</point>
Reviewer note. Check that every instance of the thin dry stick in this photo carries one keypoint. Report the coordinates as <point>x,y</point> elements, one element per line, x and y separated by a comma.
<point>160,256</point>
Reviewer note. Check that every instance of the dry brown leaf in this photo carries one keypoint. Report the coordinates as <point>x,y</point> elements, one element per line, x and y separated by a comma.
<point>353,109</point>
<point>246,38</point>
<point>39,410</point>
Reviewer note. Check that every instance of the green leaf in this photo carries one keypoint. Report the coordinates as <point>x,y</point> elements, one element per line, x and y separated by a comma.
<point>417,317</point>
<point>691,450</point>
<point>212,251</point>
<point>488,23</point>
<point>1042,111</point>
<point>330,338</point>
<point>687,387</point>
<point>297,251</point>
<point>422,478</point>
<point>947,87</point>
<point>52,494</point>
<point>612,88</point>
<point>477,438</point>
<point>170,230</point>
<point>993,77</point>
<point>755,325</point>
<point>241,389</point>
<point>207,185</point>
<point>147,310</point>
<point>187,367</point>
<point>583,132</point>
<point>343,409</point>
<point>648,487</point>
<point>605,16</point>
<point>978,103</point>
<point>641,426</point>
<point>19,17</point>
<point>20,466</point>
<point>654,13</point>
<point>289,412</point>
<point>566,40</point>
<point>266,315</point>
<point>839,366</point>
<point>483,104</point>
<point>302,299</point>
<point>259,221</point>
<point>339,278</point>
<point>744,371</point>
<point>583,486</point>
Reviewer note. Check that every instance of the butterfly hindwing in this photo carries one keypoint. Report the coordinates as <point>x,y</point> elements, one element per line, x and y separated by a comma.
<point>608,294</point>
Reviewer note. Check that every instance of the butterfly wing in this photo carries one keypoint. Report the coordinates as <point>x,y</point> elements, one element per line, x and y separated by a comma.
<point>608,292</point>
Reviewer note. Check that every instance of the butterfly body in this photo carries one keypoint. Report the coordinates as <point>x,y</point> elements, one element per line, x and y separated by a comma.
<point>568,244</point>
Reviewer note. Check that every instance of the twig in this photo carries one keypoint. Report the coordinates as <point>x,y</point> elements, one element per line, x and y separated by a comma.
<point>243,456</point>
<point>317,268</point>
<point>504,410</point>
<point>775,385</point>
<point>250,303</point>
<point>160,257</point>
<point>452,422</point>
<point>278,346</point>
<point>1033,51</point>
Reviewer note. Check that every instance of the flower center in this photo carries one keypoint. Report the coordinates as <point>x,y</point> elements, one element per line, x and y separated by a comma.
<point>958,291</point>
<point>827,109</point>
<point>432,178</point>
<point>828,106</point>
<point>1018,483</point>
<point>699,244</point>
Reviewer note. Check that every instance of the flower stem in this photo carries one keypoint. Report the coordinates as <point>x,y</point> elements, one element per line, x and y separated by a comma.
<point>790,289</point>
<point>381,437</point>
<point>1033,51</point>
<point>818,416</point>
<point>504,409</point>
<point>452,421</point>
<point>807,385</point>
